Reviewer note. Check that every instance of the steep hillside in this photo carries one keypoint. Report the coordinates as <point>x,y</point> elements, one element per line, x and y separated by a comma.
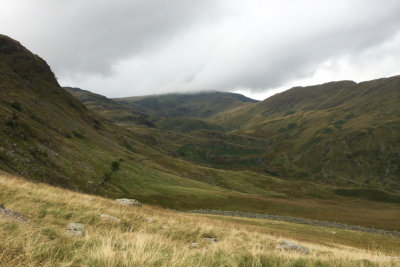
<point>200,105</point>
<point>338,133</point>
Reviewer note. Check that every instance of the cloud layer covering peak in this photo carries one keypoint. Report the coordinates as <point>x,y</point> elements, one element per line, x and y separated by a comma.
<point>124,48</point>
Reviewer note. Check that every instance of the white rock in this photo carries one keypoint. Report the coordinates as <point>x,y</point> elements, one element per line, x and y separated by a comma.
<point>129,202</point>
<point>291,246</point>
<point>75,229</point>
<point>149,220</point>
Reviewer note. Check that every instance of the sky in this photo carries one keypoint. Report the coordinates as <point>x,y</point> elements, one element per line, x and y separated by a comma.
<point>258,48</point>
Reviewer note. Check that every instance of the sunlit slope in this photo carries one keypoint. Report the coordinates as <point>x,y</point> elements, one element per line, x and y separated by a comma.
<point>151,236</point>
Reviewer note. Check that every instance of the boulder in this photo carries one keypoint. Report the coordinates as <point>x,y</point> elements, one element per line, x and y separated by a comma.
<point>110,218</point>
<point>75,229</point>
<point>149,220</point>
<point>10,214</point>
<point>291,246</point>
<point>165,227</point>
<point>129,202</point>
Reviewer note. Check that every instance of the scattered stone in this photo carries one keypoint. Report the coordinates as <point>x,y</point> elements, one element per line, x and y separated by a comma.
<point>291,246</point>
<point>129,202</point>
<point>149,220</point>
<point>165,227</point>
<point>333,232</point>
<point>75,229</point>
<point>111,218</point>
<point>211,239</point>
<point>194,245</point>
<point>92,199</point>
<point>10,214</point>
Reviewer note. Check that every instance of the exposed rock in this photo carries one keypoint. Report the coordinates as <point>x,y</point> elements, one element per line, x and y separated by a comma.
<point>194,245</point>
<point>165,227</point>
<point>211,239</point>
<point>291,246</point>
<point>76,229</point>
<point>109,217</point>
<point>149,220</point>
<point>333,232</point>
<point>10,214</point>
<point>129,202</point>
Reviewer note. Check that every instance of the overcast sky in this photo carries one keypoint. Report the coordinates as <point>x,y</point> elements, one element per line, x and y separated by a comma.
<point>138,47</point>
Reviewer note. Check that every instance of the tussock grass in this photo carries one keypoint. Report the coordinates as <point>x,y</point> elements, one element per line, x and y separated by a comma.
<point>135,242</point>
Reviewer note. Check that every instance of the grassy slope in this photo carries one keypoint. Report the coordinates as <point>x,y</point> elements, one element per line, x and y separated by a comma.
<point>199,105</point>
<point>340,133</point>
<point>242,242</point>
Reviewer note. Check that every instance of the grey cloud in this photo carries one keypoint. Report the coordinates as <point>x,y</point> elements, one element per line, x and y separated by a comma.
<point>122,47</point>
<point>92,35</point>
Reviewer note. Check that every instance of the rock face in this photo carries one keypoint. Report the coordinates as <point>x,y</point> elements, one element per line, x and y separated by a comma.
<point>76,229</point>
<point>10,214</point>
<point>110,218</point>
<point>291,246</point>
<point>129,202</point>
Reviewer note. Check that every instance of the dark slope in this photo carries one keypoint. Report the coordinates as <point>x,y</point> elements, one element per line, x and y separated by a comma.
<point>200,105</point>
<point>109,109</point>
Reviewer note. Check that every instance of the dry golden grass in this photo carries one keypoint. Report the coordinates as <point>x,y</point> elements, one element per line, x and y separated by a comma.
<point>135,242</point>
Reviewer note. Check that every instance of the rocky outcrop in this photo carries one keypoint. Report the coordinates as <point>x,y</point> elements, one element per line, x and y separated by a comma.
<point>10,214</point>
<point>291,246</point>
<point>75,229</point>
<point>129,202</point>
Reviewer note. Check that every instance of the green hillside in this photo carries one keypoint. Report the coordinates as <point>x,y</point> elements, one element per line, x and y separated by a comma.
<point>200,105</point>
<point>336,133</point>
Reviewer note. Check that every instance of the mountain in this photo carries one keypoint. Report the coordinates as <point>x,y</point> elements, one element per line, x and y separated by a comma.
<point>338,133</point>
<point>109,109</point>
<point>199,105</point>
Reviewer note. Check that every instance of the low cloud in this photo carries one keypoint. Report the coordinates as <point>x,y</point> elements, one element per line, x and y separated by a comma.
<point>123,48</point>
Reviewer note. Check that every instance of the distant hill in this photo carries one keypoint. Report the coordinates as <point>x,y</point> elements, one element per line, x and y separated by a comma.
<point>109,109</point>
<point>199,105</point>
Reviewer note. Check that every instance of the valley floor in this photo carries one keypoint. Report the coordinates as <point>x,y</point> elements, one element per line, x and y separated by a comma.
<point>151,236</point>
